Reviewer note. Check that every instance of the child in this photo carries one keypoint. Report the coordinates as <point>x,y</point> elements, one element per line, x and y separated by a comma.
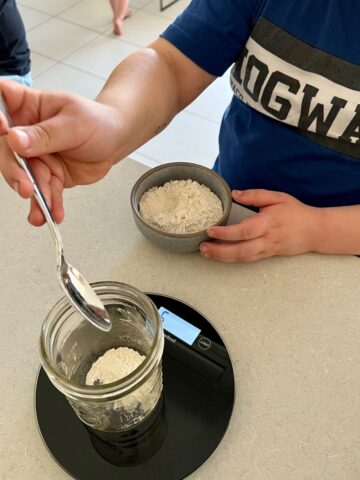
<point>121,11</point>
<point>289,141</point>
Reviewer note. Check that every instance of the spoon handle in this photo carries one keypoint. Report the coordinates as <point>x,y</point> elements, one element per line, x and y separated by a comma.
<point>39,196</point>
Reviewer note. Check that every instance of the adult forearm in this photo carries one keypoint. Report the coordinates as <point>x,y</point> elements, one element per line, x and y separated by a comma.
<point>338,230</point>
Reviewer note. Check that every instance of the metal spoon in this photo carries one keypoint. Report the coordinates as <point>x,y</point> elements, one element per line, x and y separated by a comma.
<point>79,292</point>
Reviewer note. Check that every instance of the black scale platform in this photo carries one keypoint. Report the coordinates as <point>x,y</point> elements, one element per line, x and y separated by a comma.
<point>184,430</point>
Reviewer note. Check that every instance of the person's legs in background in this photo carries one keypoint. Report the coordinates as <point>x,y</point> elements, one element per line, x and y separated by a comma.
<point>23,79</point>
<point>121,11</point>
<point>15,61</point>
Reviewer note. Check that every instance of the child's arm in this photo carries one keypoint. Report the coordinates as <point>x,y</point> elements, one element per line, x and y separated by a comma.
<point>71,140</point>
<point>338,230</point>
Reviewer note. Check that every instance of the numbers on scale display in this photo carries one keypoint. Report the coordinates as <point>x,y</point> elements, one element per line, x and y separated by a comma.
<point>179,327</point>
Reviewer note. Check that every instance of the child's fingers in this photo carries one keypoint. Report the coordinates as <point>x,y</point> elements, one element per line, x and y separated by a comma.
<point>4,125</point>
<point>245,251</point>
<point>43,176</point>
<point>13,173</point>
<point>53,193</point>
<point>259,197</point>
<point>57,188</point>
<point>248,229</point>
<point>35,218</point>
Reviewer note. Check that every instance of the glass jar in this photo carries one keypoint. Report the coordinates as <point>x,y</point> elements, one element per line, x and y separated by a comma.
<point>69,345</point>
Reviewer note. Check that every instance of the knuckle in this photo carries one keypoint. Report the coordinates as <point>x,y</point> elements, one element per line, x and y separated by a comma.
<point>43,135</point>
<point>244,252</point>
<point>219,254</point>
<point>263,222</point>
<point>246,232</point>
<point>269,222</point>
<point>256,194</point>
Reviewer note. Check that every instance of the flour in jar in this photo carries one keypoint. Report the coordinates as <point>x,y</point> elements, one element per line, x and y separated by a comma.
<point>114,365</point>
<point>181,206</point>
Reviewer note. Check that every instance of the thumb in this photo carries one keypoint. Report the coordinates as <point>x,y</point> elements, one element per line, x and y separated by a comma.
<point>50,136</point>
<point>259,197</point>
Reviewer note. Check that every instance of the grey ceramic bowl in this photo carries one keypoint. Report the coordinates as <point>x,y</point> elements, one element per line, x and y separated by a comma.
<point>178,242</point>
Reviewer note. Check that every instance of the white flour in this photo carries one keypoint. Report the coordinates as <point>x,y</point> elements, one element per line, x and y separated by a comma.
<point>113,365</point>
<point>181,206</point>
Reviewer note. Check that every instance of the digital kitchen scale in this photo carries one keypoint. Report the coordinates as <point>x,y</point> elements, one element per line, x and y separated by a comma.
<point>187,426</point>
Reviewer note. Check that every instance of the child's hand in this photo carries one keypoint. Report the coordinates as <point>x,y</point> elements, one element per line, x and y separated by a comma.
<point>284,226</point>
<point>68,141</point>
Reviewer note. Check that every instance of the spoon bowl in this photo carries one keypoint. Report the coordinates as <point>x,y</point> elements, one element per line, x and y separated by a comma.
<point>82,296</point>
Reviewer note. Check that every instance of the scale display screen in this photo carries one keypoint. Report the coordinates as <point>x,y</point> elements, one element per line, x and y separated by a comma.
<point>179,327</point>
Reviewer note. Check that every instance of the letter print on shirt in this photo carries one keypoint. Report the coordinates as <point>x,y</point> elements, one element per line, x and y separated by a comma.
<point>300,85</point>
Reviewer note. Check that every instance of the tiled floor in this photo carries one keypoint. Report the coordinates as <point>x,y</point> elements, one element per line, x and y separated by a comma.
<point>73,49</point>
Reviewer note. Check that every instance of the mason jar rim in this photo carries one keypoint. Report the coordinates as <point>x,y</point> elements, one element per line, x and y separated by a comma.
<point>111,390</point>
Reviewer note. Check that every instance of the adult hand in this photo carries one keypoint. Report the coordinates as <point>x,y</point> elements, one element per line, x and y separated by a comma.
<point>284,226</point>
<point>68,140</point>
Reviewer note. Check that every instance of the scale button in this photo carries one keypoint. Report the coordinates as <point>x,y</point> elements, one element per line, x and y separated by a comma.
<point>204,343</point>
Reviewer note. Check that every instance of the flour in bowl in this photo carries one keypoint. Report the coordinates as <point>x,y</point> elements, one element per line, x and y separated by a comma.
<point>181,206</point>
<point>114,365</point>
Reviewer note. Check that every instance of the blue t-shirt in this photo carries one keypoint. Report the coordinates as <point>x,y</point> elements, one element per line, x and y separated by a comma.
<point>293,124</point>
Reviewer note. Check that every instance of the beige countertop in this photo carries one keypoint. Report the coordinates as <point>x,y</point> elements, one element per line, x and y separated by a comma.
<point>292,326</point>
